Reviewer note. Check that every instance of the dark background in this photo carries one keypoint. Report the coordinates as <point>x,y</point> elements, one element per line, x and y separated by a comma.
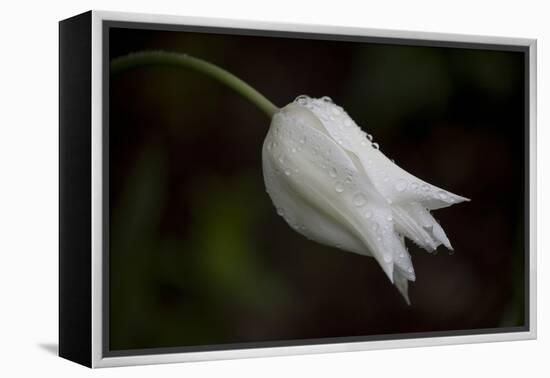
<point>197,253</point>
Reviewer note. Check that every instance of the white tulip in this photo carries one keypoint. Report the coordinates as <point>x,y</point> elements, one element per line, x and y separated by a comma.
<point>334,186</point>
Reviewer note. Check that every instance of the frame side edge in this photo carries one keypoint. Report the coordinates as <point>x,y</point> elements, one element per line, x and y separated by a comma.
<point>74,189</point>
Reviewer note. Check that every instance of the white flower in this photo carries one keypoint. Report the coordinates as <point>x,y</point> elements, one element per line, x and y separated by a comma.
<point>334,186</point>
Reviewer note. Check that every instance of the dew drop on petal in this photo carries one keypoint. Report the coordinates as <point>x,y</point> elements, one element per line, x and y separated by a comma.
<point>339,187</point>
<point>375,146</point>
<point>374,226</point>
<point>387,258</point>
<point>327,99</point>
<point>389,218</point>
<point>368,214</point>
<point>425,187</point>
<point>332,172</point>
<point>287,172</point>
<point>410,270</point>
<point>364,143</point>
<point>369,137</point>
<point>442,194</point>
<point>401,185</point>
<point>302,99</point>
<point>414,186</point>
<point>280,212</point>
<point>359,199</point>
<point>302,140</point>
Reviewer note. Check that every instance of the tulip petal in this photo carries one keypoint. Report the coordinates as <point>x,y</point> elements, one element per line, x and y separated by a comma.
<point>305,218</point>
<point>402,284</point>
<point>396,184</point>
<point>328,181</point>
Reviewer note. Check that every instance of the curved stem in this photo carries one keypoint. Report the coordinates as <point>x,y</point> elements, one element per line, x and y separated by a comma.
<point>164,58</point>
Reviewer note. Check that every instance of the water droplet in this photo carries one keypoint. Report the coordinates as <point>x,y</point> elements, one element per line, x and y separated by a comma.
<point>340,141</point>
<point>410,269</point>
<point>389,218</point>
<point>335,111</point>
<point>401,185</point>
<point>302,140</point>
<point>339,187</point>
<point>359,199</point>
<point>282,160</point>
<point>425,187</point>
<point>287,172</point>
<point>280,211</point>
<point>327,99</point>
<point>387,258</point>
<point>369,137</point>
<point>332,172</point>
<point>302,99</point>
<point>368,214</point>
<point>364,143</point>
<point>374,226</point>
<point>442,194</point>
<point>414,186</point>
<point>375,146</point>
<point>293,149</point>
<point>347,122</point>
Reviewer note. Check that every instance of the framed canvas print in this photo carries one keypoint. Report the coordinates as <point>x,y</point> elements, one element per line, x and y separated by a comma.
<point>237,189</point>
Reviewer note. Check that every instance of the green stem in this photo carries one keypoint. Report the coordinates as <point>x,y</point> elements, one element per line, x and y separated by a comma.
<point>163,58</point>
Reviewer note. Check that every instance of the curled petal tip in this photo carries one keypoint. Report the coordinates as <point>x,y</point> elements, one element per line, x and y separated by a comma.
<point>388,269</point>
